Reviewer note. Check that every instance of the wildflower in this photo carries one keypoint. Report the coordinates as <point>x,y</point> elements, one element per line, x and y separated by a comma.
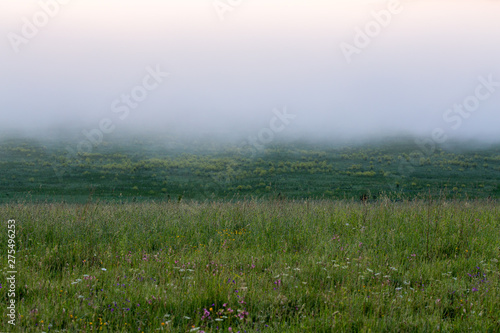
<point>103,269</point>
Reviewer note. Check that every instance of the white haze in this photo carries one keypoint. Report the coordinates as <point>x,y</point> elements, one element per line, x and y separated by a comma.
<point>227,76</point>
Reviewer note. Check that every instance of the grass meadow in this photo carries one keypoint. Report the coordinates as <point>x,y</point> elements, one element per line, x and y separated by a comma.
<point>256,266</point>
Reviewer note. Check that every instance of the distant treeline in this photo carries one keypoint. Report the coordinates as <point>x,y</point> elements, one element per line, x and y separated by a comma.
<point>152,168</point>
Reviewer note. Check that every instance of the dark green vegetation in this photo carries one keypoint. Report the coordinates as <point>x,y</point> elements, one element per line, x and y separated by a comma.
<point>275,266</point>
<point>137,169</point>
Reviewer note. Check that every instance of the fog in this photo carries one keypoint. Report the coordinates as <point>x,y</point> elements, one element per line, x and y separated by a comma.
<point>229,67</point>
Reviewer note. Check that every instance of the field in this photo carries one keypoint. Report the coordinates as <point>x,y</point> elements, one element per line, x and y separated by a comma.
<point>152,233</point>
<point>256,266</point>
<point>140,168</point>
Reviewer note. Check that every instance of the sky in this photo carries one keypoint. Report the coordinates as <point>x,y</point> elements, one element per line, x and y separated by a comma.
<point>336,67</point>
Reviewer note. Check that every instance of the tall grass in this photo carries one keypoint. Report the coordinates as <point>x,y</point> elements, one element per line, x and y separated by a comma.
<point>285,266</point>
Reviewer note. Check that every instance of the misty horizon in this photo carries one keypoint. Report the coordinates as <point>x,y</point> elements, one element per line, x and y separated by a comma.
<point>148,67</point>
